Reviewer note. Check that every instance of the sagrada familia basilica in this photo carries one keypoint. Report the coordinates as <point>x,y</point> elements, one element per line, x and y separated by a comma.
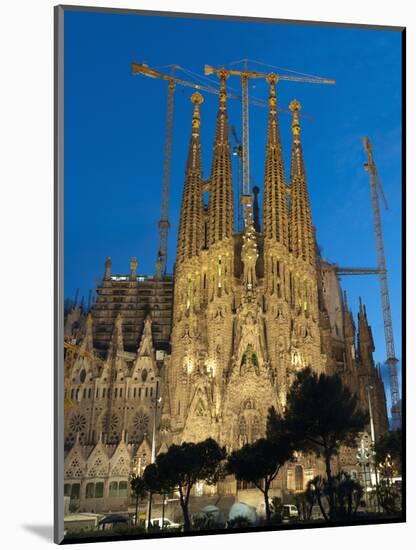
<point>204,353</point>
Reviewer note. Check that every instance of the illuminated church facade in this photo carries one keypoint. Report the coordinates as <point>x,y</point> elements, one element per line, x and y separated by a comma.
<point>205,353</point>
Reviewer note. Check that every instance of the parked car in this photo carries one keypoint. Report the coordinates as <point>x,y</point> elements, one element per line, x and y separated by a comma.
<point>167,523</point>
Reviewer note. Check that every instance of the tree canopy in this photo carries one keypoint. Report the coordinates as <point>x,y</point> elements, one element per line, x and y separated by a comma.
<point>182,466</point>
<point>259,463</point>
<point>322,414</point>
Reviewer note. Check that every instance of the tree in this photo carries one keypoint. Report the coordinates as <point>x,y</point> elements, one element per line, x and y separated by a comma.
<point>322,415</point>
<point>156,482</point>
<point>138,488</point>
<point>314,493</point>
<point>182,466</point>
<point>388,457</point>
<point>388,449</point>
<point>348,493</point>
<point>259,463</point>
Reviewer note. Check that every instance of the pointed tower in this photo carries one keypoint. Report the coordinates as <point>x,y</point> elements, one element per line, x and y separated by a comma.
<point>185,336</point>
<point>116,343</point>
<point>350,375</point>
<point>303,276</point>
<point>190,224</point>
<point>365,340</point>
<point>275,214</point>
<point>301,234</point>
<point>221,201</point>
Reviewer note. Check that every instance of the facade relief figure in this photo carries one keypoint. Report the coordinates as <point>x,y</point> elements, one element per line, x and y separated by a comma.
<point>249,362</point>
<point>249,253</point>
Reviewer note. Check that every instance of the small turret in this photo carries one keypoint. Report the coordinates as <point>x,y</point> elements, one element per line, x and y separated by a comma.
<point>133,269</point>
<point>365,339</point>
<point>107,269</point>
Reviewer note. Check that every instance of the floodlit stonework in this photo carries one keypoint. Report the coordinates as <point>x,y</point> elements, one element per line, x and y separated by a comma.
<point>220,342</point>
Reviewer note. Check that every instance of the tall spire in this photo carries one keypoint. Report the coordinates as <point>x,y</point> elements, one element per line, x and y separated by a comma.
<point>349,326</point>
<point>301,231</point>
<point>365,336</point>
<point>190,235</point>
<point>221,201</point>
<point>275,213</point>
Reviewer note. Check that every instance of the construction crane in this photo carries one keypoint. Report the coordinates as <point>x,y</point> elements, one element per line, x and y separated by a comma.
<point>238,152</point>
<point>342,271</point>
<point>173,81</point>
<point>391,361</point>
<point>245,75</point>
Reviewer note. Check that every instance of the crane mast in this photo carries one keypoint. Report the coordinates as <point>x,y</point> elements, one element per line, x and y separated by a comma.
<point>162,257</point>
<point>238,152</point>
<point>391,361</point>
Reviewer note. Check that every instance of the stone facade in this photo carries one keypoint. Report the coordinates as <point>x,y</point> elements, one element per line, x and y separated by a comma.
<point>220,344</point>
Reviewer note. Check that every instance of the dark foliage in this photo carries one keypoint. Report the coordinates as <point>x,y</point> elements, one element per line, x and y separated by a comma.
<point>182,466</point>
<point>322,415</point>
<point>259,463</point>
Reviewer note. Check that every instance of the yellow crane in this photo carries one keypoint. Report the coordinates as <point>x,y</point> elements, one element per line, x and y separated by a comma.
<point>245,75</point>
<point>173,81</point>
<point>376,191</point>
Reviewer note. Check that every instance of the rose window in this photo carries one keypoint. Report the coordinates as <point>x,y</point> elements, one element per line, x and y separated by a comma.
<point>141,422</point>
<point>78,423</point>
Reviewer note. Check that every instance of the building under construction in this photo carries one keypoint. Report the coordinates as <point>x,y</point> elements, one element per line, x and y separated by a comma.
<point>163,359</point>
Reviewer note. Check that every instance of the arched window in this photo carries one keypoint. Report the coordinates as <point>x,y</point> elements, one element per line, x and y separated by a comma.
<point>89,490</point>
<point>113,492</point>
<point>242,428</point>
<point>122,489</point>
<point>75,491</point>
<point>99,490</point>
<point>255,428</point>
<point>298,478</point>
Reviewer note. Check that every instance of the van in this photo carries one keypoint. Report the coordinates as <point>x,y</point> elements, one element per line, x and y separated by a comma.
<point>290,511</point>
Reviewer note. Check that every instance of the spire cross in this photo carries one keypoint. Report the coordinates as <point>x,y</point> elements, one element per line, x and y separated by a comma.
<point>272,79</point>
<point>223,74</point>
<point>196,99</point>
<point>295,107</point>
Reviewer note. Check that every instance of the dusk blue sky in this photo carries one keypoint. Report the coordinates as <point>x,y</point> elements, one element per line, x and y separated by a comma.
<point>114,131</point>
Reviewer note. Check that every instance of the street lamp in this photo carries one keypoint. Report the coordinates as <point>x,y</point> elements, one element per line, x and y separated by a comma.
<point>155,400</point>
<point>369,387</point>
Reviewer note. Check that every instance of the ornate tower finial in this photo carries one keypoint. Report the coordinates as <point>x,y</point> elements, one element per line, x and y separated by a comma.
<point>272,79</point>
<point>107,269</point>
<point>295,107</point>
<point>196,99</point>
<point>223,74</point>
